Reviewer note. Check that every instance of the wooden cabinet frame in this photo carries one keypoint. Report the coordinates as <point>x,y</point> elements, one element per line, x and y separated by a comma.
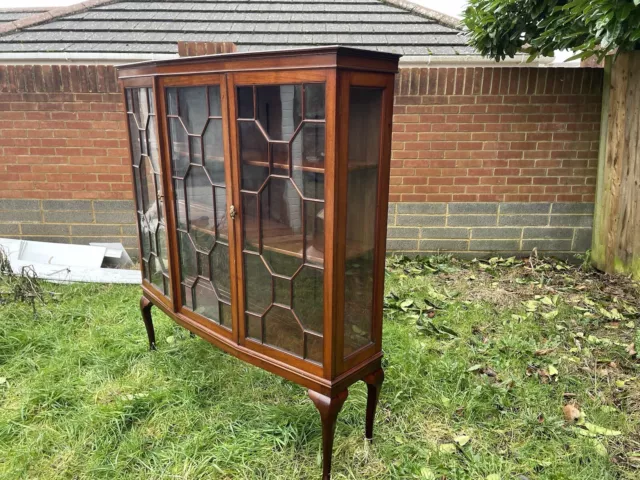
<point>339,69</point>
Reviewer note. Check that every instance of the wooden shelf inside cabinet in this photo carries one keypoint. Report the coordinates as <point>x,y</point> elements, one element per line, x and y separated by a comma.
<point>270,242</point>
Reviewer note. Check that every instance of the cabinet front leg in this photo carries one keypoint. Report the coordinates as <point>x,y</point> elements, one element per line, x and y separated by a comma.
<point>329,409</point>
<point>374,384</point>
<point>145,308</point>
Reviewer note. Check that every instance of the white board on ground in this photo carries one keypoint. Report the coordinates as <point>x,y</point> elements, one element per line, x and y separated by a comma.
<point>62,254</point>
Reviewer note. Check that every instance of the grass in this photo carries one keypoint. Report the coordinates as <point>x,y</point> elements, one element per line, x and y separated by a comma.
<point>475,387</point>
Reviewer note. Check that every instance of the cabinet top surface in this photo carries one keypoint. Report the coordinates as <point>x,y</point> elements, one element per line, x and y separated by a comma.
<point>314,57</point>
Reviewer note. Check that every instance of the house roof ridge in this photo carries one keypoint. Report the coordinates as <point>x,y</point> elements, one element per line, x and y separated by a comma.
<point>442,18</point>
<point>52,14</point>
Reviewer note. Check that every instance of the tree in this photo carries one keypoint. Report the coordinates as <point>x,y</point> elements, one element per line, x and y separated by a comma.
<point>503,28</point>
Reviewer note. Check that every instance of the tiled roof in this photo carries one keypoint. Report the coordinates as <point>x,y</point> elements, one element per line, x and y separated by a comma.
<point>152,27</point>
<point>11,14</point>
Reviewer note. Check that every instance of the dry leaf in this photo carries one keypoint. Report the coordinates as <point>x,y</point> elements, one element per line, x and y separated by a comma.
<point>571,413</point>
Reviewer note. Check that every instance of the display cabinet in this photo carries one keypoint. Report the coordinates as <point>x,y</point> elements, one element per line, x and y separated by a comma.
<point>261,186</point>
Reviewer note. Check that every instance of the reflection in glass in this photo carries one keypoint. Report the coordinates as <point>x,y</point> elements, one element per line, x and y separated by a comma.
<point>258,289</point>
<point>215,107</point>
<point>205,301</point>
<point>282,161</point>
<point>245,102</point>
<point>200,208</point>
<point>308,295</point>
<point>214,151</point>
<point>281,330</point>
<point>281,226</point>
<point>148,186</point>
<point>314,101</point>
<point>279,109</point>
<point>365,109</point>
<point>179,147</point>
<point>314,347</point>
<point>192,105</point>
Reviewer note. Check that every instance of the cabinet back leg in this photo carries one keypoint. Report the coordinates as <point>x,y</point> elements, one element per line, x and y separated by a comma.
<point>374,384</point>
<point>329,409</point>
<point>145,309</point>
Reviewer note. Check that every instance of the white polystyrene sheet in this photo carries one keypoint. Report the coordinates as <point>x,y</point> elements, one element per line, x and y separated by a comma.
<point>65,273</point>
<point>62,254</point>
<point>71,274</point>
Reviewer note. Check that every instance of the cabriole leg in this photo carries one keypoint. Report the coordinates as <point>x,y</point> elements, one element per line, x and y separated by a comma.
<point>374,384</point>
<point>329,409</point>
<point>145,308</point>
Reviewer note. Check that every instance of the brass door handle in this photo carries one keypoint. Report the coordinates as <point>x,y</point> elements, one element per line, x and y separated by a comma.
<point>232,212</point>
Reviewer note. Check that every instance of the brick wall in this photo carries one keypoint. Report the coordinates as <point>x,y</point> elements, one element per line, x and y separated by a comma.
<point>62,133</point>
<point>507,137</point>
<point>496,135</point>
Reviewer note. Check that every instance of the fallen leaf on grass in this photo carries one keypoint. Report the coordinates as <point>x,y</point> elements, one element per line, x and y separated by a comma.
<point>544,351</point>
<point>447,448</point>
<point>571,413</point>
<point>462,440</point>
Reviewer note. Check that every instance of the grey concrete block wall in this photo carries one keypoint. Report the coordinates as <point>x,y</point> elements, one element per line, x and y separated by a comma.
<point>467,229</point>
<point>479,229</point>
<point>70,221</point>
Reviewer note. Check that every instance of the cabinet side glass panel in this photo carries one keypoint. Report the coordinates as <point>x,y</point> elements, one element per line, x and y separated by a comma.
<point>147,180</point>
<point>281,136</point>
<point>194,120</point>
<point>365,110</point>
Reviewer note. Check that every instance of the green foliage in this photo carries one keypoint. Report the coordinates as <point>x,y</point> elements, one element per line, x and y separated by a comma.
<point>470,392</point>
<point>502,28</point>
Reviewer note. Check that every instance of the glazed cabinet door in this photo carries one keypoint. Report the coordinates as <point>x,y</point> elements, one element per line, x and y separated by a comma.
<point>278,134</point>
<point>148,188</point>
<point>201,206</point>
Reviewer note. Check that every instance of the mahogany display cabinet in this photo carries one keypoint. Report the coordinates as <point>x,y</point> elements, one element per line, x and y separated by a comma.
<point>261,184</point>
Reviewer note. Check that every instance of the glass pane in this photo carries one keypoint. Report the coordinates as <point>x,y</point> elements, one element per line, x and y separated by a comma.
<point>281,226</point>
<point>205,301</point>
<point>152,146</point>
<point>200,208</point>
<point>181,204</point>
<point>365,109</point>
<point>257,284</point>
<point>188,258</point>
<point>314,101</point>
<point>314,232</point>
<point>226,316</point>
<point>250,221</point>
<point>192,105</point>
<point>282,229</point>
<point>135,140</point>
<point>148,186</point>
<point>281,330</point>
<point>149,204</point>
<point>187,296</point>
<point>280,158</point>
<point>203,265</point>
<point>254,327</point>
<point>156,273</point>
<point>215,107</point>
<point>307,150</point>
<point>220,274</point>
<point>282,291</point>
<point>214,151</point>
<point>314,348</point>
<point>253,155</point>
<point>195,149</point>
<point>308,295</point>
<point>179,147</point>
<point>279,109</point>
<point>172,101</point>
<point>245,102</point>
<point>222,223</point>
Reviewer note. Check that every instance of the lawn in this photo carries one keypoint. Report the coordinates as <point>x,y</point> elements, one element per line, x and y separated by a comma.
<point>494,370</point>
